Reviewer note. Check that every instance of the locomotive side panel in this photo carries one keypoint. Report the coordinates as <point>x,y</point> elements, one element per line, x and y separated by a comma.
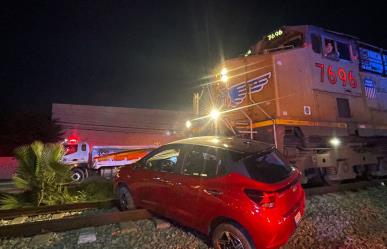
<point>334,68</point>
<point>261,85</point>
<point>295,98</point>
<point>375,96</point>
<point>250,83</point>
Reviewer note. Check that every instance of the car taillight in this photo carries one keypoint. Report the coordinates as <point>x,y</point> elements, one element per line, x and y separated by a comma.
<point>261,198</point>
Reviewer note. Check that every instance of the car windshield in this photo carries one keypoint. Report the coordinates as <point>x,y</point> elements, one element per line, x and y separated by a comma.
<point>70,149</point>
<point>268,167</point>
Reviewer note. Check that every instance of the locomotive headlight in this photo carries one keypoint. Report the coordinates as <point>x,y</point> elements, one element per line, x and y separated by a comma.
<point>214,114</point>
<point>223,75</point>
<point>335,142</point>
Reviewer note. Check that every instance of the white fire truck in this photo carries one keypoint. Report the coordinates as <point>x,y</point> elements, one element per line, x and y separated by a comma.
<point>99,160</point>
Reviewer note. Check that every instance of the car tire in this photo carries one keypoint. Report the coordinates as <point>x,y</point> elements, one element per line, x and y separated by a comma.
<point>227,235</point>
<point>125,199</point>
<point>78,175</point>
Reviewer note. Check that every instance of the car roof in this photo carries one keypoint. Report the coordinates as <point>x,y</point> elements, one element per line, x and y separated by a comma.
<point>228,143</point>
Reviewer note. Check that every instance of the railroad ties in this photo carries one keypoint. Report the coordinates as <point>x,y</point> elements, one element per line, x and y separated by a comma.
<point>354,186</point>
<point>65,224</point>
<point>19,227</point>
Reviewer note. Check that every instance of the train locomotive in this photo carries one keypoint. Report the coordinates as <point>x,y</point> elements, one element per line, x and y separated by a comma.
<point>320,96</point>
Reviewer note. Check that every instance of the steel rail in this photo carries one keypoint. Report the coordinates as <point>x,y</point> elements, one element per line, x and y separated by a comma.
<point>12,213</point>
<point>343,187</point>
<point>71,223</point>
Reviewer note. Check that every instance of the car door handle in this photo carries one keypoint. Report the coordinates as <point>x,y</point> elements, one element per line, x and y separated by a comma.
<point>213,192</point>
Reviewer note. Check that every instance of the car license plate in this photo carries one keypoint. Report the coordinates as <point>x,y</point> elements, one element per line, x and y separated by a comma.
<point>297,217</point>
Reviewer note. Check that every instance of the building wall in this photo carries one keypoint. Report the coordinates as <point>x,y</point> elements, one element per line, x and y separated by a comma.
<point>102,125</point>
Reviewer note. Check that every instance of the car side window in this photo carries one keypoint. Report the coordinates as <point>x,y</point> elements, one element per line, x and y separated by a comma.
<point>164,161</point>
<point>202,161</point>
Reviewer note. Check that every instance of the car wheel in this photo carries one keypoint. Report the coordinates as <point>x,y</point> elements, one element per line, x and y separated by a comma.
<point>125,199</point>
<point>78,175</point>
<point>229,236</point>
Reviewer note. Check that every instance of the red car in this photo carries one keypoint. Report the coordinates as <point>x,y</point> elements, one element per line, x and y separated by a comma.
<point>240,192</point>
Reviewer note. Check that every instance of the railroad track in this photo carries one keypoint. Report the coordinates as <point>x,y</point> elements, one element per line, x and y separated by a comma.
<point>12,213</point>
<point>344,187</point>
<point>70,223</point>
<point>65,224</point>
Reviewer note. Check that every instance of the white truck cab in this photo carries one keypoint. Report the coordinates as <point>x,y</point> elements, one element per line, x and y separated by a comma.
<point>76,153</point>
<point>84,159</point>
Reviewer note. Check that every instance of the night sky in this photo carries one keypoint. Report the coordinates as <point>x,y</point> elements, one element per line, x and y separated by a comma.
<point>147,54</point>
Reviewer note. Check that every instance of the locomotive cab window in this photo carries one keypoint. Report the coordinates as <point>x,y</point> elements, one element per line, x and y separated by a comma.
<point>371,59</point>
<point>343,50</point>
<point>336,50</point>
<point>330,49</point>
<point>316,43</point>
<point>293,42</point>
<point>279,40</point>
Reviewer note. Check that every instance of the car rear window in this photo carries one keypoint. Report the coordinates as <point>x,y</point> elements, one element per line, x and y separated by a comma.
<point>267,168</point>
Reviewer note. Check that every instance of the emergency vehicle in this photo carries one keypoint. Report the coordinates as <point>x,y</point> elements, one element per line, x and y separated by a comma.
<point>86,160</point>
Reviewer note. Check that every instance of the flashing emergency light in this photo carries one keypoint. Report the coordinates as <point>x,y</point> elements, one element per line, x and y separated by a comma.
<point>72,139</point>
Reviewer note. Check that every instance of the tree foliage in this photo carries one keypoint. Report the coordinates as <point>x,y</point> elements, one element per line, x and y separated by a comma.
<point>19,128</point>
<point>41,176</point>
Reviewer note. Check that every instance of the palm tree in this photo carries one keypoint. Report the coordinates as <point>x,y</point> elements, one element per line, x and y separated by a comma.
<point>41,176</point>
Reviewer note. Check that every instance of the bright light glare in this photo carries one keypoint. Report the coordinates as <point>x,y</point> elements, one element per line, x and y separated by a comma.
<point>188,124</point>
<point>335,142</point>
<point>223,75</point>
<point>214,114</point>
<point>215,140</point>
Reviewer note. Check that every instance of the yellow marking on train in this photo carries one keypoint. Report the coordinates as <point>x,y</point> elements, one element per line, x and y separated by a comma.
<point>298,122</point>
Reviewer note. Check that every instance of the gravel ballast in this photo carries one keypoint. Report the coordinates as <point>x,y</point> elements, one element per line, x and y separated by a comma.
<point>348,220</point>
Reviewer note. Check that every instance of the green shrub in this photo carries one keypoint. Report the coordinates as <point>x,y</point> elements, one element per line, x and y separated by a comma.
<point>94,190</point>
<point>41,177</point>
